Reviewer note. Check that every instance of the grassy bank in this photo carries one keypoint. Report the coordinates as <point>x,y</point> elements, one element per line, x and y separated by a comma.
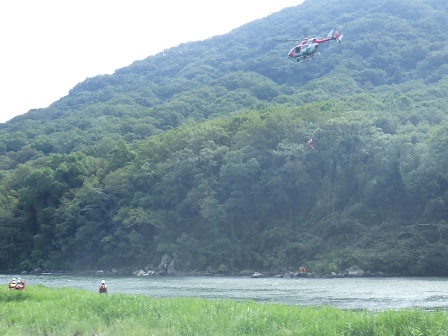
<point>43,311</point>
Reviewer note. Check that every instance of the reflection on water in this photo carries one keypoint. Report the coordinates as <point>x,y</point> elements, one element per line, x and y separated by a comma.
<point>347,293</point>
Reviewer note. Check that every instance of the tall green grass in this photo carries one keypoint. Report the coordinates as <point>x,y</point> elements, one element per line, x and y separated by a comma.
<point>42,311</point>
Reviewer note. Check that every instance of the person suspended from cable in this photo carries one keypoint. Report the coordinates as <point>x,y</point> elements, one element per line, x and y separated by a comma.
<point>309,144</point>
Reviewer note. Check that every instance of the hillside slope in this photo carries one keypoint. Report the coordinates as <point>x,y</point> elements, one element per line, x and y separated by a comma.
<point>390,46</point>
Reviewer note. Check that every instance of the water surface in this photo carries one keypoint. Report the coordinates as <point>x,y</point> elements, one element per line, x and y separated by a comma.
<point>346,293</point>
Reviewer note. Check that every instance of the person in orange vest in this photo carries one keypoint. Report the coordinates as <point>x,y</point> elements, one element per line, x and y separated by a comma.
<point>12,284</point>
<point>103,287</point>
<point>303,269</point>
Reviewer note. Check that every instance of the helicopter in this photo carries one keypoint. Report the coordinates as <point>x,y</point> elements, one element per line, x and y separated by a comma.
<point>307,49</point>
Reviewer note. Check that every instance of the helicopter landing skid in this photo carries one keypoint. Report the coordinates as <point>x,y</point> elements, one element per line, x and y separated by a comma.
<point>306,58</point>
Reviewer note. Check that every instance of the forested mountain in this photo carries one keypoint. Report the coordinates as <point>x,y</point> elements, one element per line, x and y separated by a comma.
<point>199,152</point>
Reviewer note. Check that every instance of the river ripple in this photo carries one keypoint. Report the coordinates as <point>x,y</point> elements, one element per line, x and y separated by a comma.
<point>346,293</point>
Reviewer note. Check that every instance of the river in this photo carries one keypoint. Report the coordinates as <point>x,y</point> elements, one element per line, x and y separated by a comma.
<point>345,293</point>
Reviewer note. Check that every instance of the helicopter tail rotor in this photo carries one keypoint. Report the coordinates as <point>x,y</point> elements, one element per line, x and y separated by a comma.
<point>337,36</point>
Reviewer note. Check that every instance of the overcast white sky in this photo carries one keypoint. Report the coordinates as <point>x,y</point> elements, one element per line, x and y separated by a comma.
<point>49,46</point>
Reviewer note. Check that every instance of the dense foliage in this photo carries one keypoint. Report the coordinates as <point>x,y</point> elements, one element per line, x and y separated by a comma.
<point>198,152</point>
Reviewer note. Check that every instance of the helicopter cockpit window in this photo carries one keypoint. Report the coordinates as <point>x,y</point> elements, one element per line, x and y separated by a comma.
<point>298,49</point>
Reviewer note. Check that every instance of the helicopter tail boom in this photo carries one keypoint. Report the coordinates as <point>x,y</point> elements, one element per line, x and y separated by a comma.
<point>337,36</point>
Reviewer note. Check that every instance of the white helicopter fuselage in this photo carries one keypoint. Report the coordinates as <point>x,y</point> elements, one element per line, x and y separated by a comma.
<point>303,51</point>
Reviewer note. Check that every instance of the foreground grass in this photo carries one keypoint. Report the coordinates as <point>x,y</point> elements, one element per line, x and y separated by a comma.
<point>43,311</point>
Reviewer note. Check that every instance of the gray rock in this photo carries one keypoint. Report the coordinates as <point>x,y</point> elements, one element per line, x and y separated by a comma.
<point>258,275</point>
<point>166,265</point>
<point>354,271</point>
